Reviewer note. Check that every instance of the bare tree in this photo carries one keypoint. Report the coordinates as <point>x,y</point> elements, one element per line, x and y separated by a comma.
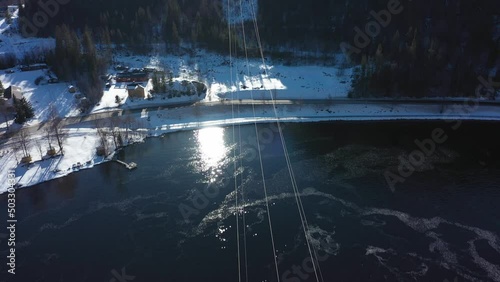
<point>103,136</point>
<point>100,125</point>
<point>128,122</point>
<point>39,147</point>
<point>90,86</point>
<point>5,112</point>
<point>48,136</point>
<point>114,125</point>
<point>57,128</point>
<point>24,140</point>
<point>16,148</point>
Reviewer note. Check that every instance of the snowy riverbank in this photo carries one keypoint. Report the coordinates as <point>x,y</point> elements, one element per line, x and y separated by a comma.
<point>83,139</point>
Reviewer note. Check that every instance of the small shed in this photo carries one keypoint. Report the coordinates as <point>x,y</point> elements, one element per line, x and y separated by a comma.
<point>12,9</point>
<point>13,91</point>
<point>136,91</point>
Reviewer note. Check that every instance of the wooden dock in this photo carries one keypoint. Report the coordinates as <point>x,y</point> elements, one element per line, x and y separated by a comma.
<point>129,166</point>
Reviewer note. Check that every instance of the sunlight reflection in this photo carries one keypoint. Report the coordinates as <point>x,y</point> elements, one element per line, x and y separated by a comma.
<point>212,147</point>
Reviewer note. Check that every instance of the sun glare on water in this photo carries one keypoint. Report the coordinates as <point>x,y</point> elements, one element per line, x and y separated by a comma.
<point>212,147</point>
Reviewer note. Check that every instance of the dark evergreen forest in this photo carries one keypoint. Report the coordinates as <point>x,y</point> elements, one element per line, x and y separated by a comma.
<point>429,47</point>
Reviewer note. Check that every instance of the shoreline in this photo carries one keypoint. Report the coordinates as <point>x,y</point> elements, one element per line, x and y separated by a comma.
<point>191,126</point>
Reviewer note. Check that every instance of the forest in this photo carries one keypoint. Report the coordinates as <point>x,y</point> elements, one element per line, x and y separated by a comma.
<point>427,48</point>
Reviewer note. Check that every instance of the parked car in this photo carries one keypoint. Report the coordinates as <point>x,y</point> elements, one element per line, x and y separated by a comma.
<point>150,70</point>
<point>121,68</point>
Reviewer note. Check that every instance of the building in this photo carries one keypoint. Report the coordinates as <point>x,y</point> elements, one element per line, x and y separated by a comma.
<point>13,91</point>
<point>8,5</point>
<point>12,9</point>
<point>136,90</point>
<point>132,77</point>
<point>34,67</point>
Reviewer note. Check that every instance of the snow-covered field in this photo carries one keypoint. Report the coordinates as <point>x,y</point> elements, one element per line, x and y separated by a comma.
<point>43,95</point>
<point>108,100</point>
<point>79,147</point>
<point>11,42</point>
<point>242,80</point>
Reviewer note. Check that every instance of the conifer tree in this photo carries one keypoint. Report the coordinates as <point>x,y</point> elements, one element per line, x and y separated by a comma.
<point>24,110</point>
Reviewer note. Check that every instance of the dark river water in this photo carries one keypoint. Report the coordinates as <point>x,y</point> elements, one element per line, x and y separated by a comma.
<point>175,218</point>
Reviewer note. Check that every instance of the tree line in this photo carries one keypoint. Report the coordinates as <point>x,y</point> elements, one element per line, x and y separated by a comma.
<point>429,48</point>
<point>138,24</point>
<point>77,58</point>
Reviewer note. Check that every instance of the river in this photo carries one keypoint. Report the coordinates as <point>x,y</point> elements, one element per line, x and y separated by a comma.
<point>174,218</point>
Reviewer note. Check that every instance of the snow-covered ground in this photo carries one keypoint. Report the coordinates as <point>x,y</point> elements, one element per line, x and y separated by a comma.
<point>108,100</point>
<point>11,42</point>
<point>79,147</point>
<point>241,80</point>
<point>43,95</point>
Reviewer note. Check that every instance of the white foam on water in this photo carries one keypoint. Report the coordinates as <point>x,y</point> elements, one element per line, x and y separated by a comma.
<point>379,254</point>
<point>426,226</point>
<point>371,250</point>
<point>141,216</point>
<point>323,240</point>
<point>491,269</point>
<point>442,247</point>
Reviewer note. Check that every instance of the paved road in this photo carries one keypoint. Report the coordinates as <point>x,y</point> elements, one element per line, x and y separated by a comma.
<point>343,101</point>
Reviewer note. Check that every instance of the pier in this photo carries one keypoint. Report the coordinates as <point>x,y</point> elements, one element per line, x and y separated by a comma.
<point>129,166</point>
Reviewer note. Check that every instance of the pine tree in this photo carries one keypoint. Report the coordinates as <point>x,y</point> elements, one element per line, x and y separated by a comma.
<point>120,140</point>
<point>90,53</point>
<point>24,110</point>
<point>176,40</point>
<point>155,83</point>
<point>395,45</point>
<point>8,17</point>
<point>379,56</point>
<point>412,49</point>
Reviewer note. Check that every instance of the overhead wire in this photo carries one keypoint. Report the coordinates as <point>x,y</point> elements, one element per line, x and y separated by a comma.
<point>234,139</point>
<point>302,214</point>
<point>259,152</point>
